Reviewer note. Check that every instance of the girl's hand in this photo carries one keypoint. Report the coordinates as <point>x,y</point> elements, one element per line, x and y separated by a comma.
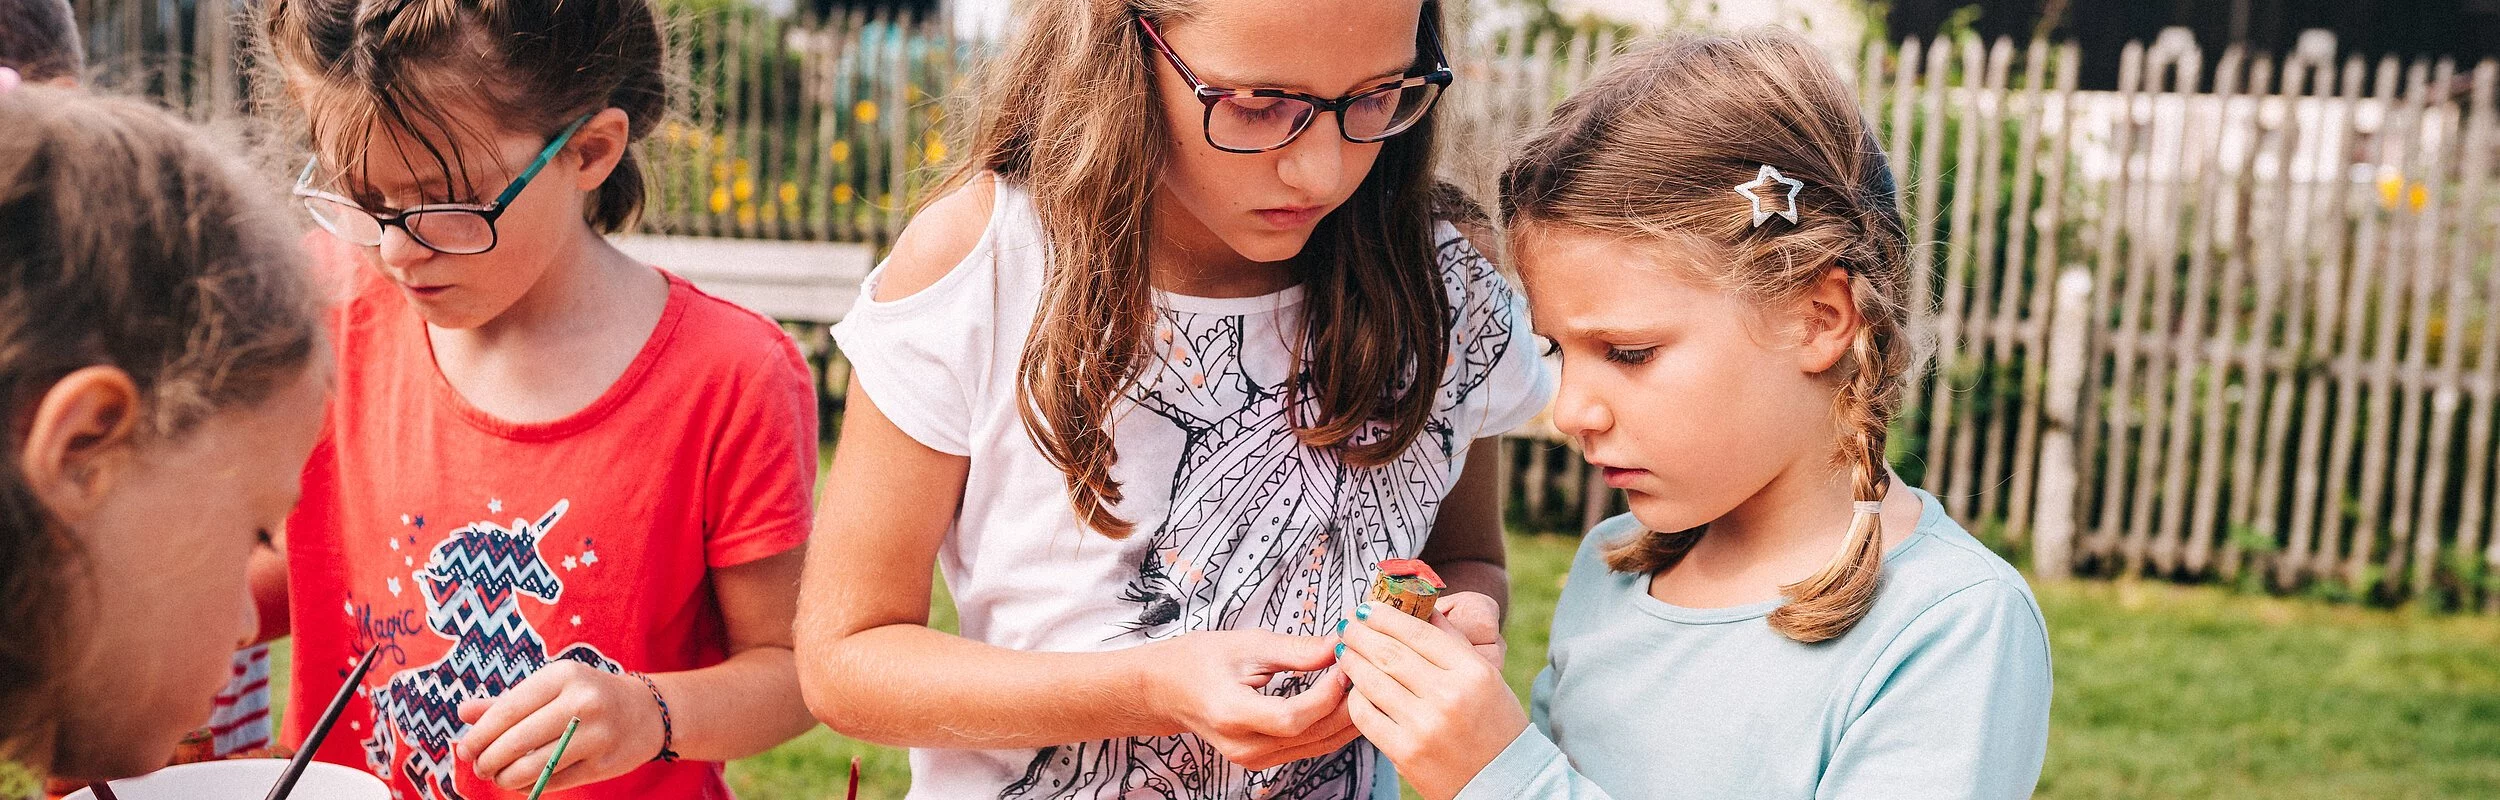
<point>1474,618</point>
<point>1209,682</point>
<point>1427,699</point>
<point>511,736</point>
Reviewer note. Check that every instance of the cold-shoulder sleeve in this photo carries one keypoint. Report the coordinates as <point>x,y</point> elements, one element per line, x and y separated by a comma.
<point>924,357</point>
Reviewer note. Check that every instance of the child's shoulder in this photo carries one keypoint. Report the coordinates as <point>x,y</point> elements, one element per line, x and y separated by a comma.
<point>938,240</point>
<point>1942,574</point>
<point>1459,248</point>
<point>1613,531</point>
<point>713,331</point>
<point>1939,561</point>
<point>1588,566</point>
<point>1942,558</point>
<point>1485,305</point>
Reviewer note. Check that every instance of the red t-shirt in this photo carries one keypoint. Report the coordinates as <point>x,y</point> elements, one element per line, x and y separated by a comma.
<point>474,550</point>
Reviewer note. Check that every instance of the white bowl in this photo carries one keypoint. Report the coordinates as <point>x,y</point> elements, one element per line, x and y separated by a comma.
<point>245,779</point>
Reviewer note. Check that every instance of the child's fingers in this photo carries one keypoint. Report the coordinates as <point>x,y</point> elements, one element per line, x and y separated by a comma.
<point>587,743</point>
<point>573,772</point>
<point>1335,740</point>
<point>572,769</point>
<point>506,710</point>
<point>1322,737</point>
<point>518,775</point>
<point>1471,616</point>
<point>509,754</point>
<point>1302,711</point>
<point>1474,617</point>
<point>1298,653</point>
<point>1326,728</point>
<point>474,708</point>
<point>1437,647</point>
<point>1389,656</point>
<point>1385,690</point>
<point>1375,724</point>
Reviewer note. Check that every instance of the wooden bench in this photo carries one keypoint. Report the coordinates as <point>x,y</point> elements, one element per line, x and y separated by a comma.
<point>795,282</point>
<point>806,286</point>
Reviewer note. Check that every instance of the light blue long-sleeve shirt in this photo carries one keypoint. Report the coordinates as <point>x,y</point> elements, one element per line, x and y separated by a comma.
<point>1942,691</point>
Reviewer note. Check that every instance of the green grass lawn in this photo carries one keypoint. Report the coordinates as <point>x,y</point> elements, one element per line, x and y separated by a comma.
<point>2162,691</point>
<point>2171,691</point>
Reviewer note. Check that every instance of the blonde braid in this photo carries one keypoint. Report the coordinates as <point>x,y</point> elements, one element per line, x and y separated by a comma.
<point>1830,603</point>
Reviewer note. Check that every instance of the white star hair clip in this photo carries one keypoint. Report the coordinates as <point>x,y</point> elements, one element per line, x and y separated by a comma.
<point>1764,179</point>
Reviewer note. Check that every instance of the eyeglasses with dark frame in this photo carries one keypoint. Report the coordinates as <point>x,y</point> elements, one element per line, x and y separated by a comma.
<point>1260,120</point>
<point>460,229</point>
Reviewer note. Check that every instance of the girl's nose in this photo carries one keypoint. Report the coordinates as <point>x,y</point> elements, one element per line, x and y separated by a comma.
<point>399,251</point>
<point>1315,162</point>
<point>1579,409</point>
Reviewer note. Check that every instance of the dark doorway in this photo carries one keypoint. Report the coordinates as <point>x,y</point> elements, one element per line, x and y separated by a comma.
<point>2467,30</point>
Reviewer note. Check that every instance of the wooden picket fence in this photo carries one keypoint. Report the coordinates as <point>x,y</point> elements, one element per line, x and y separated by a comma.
<point>2238,325</point>
<point>2237,320</point>
<point>2209,327</point>
<point>189,56</point>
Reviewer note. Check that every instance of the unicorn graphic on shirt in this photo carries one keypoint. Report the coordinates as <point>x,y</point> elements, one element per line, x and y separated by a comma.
<point>472,582</point>
<point>1266,532</point>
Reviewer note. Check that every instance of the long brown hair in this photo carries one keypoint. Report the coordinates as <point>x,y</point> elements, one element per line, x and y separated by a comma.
<point>1655,146</point>
<point>349,67</point>
<point>125,240</point>
<point>1069,112</point>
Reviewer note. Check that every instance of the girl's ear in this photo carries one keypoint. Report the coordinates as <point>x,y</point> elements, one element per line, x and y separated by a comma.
<point>1831,321</point>
<point>79,440</point>
<point>600,144</point>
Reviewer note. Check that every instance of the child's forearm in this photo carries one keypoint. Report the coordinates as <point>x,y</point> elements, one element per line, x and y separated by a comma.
<point>911,686</point>
<point>1531,767</point>
<point>737,708</point>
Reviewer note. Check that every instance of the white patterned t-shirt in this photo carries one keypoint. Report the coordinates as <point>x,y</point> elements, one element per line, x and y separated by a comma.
<point>1239,525</point>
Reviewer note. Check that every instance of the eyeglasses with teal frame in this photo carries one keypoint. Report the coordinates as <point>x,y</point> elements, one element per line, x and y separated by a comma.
<point>459,229</point>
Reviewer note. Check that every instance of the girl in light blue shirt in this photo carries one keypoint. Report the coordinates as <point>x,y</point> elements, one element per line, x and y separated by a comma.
<point>1708,235</point>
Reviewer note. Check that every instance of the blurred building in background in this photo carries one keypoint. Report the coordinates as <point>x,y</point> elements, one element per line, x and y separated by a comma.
<point>2466,30</point>
<point>973,19</point>
<point>1837,25</point>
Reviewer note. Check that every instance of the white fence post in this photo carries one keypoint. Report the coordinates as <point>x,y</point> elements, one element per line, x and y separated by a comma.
<point>2053,529</point>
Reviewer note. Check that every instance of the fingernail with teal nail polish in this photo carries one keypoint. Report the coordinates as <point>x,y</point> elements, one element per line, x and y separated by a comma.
<point>1363,611</point>
<point>1341,626</point>
<point>1340,649</point>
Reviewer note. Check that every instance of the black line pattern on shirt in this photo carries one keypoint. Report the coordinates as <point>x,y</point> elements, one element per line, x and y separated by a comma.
<point>1265,532</point>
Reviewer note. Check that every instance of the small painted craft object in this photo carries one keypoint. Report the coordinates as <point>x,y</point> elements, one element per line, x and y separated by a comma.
<point>1408,584</point>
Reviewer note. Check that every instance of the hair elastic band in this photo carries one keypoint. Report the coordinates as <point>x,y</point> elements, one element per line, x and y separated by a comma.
<point>1764,179</point>
<point>1867,507</point>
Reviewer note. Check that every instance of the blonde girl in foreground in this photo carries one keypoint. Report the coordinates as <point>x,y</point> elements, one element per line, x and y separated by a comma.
<point>1707,232</point>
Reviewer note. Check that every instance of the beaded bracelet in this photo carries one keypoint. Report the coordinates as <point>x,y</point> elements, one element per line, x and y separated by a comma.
<point>668,731</point>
